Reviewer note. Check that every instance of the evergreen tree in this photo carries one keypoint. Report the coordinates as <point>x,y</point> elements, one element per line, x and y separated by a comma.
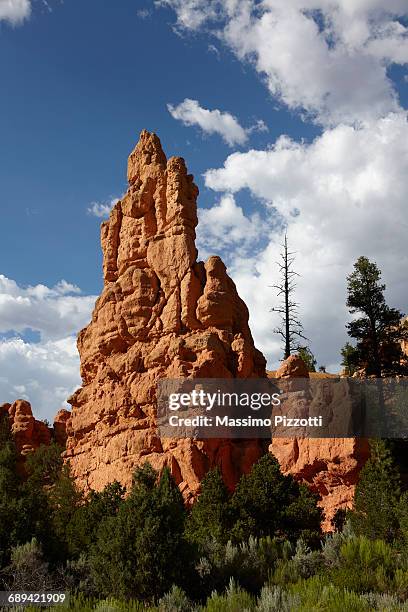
<point>268,503</point>
<point>350,358</point>
<point>378,331</point>
<point>50,499</point>
<point>210,515</point>
<point>82,529</point>
<point>306,354</point>
<point>10,486</point>
<point>375,513</point>
<point>402,513</point>
<point>45,464</point>
<point>140,552</point>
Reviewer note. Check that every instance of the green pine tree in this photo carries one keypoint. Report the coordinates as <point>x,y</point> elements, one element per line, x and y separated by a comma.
<point>82,529</point>
<point>210,515</point>
<point>140,552</point>
<point>377,330</point>
<point>350,358</point>
<point>268,503</point>
<point>306,354</point>
<point>375,513</point>
<point>10,487</point>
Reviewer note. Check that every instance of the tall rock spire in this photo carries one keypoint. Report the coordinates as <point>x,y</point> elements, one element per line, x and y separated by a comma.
<point>161,314</point>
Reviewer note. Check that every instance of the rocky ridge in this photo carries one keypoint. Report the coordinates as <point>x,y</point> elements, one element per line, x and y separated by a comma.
<point>29,433</point>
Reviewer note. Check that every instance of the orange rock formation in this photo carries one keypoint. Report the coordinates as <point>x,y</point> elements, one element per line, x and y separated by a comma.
<point>329,466</point>
<point>162,314</point>
<point>28,433</point>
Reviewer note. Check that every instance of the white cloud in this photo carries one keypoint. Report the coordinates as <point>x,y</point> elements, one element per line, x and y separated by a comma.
<point>14,11</point>
<point>259,126</point>
<point>226,224</point>
<point>342,196</point>
<point>44,372</point>
<point>213,49</point>
<point>102,209</point>
<point>53,312</point>
<point>143,13</point>
<point>192,14</point>
<point>326,57</point>
<point>214,121</point>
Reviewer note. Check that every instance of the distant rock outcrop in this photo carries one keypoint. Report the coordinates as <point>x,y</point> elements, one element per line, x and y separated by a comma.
<point>28,433</point>
<point>162,314</point>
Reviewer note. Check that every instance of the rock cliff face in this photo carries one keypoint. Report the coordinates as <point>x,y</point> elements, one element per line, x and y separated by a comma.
<point>28,433</point>
<point>329,466</point>
<point>162,314</point>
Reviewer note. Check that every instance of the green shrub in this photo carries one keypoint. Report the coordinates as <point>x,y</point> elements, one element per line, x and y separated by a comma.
<point>384,602</point>
<point>235,599</point>
<point>250,563</point>
<point>28,571</point>
<point>175,601</point>
<point>304,564</point>
<point>365,565</point>
<point>114,605</point>
<point>317,594</point>
<point>275,599</point>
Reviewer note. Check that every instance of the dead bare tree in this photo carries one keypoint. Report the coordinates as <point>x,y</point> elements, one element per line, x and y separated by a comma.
<point>291,327</point>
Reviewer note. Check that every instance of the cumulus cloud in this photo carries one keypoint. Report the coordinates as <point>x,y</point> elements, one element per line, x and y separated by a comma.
<point>226,224</point>
<point>14,11</point>
<point>192,14</point>
<point>44,372</point>
<point>189,112</point>
<point>342,196</point>
<point>102,209</point>
<point>53,312</point>
<point>328,58</point>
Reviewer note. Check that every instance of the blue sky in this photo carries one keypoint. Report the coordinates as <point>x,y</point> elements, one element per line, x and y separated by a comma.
<point>80,83</point>
<point>81,79</point>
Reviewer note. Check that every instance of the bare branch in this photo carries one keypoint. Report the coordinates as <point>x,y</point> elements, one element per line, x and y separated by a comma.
<point>291,325</point>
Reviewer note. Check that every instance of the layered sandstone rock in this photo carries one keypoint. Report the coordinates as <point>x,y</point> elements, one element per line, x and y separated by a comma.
<point>162,314</point>
<point>329,466</point>
<point>28,433</point>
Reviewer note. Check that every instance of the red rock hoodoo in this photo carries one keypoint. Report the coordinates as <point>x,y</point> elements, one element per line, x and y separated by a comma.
<point>28,433</point>
<point>162,314</point>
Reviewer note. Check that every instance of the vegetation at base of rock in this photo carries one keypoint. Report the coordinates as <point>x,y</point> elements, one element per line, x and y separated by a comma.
<point>258,549</point>
<point>376,504</point>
